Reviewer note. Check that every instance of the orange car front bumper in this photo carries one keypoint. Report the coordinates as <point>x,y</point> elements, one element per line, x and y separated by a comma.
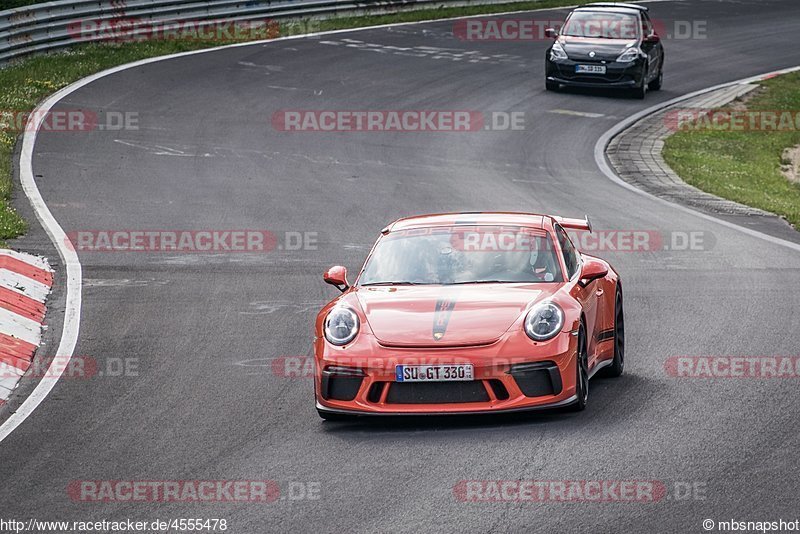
<point>511,374</point>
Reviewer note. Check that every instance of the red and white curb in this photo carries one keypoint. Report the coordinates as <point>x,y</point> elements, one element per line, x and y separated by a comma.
<point>25,282</point>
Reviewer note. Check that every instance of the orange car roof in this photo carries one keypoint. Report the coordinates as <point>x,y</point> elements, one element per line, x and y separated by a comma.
<point>488,218</point>
<point>531,220</point>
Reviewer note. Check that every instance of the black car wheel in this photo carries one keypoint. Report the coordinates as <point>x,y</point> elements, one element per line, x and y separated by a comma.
<point>618,363</point>
<point>655,85</point>
<point>641,91</point>
<point>581,372</point>
<point>551,86</point>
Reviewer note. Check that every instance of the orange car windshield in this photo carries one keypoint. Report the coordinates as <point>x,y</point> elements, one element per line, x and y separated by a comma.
<point>462,255</point>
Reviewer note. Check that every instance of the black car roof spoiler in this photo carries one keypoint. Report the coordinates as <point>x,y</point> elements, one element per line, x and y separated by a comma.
<point>616,4</point>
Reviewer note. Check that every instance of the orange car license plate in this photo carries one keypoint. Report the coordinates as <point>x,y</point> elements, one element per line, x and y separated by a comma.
<point>434,373</point>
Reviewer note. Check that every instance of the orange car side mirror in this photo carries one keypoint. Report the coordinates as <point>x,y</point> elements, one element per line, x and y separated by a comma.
<point>337,276</point>
<point>592,270</point>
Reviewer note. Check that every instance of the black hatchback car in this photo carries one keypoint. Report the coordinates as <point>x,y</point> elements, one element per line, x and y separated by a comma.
<point>609,45</point>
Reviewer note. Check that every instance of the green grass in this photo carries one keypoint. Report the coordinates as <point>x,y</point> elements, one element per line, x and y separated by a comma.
<point>11,4</point>
<point>744,166</point>
<point>26,83</point>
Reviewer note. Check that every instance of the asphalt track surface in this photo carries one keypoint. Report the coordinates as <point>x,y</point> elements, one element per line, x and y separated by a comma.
<point>205,328</point>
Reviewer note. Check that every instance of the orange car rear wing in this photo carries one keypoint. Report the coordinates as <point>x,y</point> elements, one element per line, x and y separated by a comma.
<point>574,224</point>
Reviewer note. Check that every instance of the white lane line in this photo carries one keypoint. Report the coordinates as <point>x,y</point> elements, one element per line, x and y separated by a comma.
<point>576,113</point>
<point>69,333</point>
<point>72,312</point>
<point>605,167</point>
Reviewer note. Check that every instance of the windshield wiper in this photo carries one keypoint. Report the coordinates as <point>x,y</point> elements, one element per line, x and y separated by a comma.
<point>394,284</point>
<point>592,36</point>
<point>485,282</point>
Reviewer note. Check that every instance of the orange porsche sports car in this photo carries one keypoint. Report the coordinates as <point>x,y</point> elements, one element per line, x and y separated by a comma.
<point>469,313</point>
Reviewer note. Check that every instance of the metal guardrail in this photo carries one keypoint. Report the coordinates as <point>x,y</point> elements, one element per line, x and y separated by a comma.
<point>58,24</point>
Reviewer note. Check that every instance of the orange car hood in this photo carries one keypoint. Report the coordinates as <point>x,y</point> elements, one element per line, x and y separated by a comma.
<point>441,316</point>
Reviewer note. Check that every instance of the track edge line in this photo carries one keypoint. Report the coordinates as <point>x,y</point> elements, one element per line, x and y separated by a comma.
<point>602,161</point>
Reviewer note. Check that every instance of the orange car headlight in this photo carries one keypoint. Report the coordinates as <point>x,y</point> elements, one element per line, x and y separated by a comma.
<point>544,321</point>
<point>341,326</point>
